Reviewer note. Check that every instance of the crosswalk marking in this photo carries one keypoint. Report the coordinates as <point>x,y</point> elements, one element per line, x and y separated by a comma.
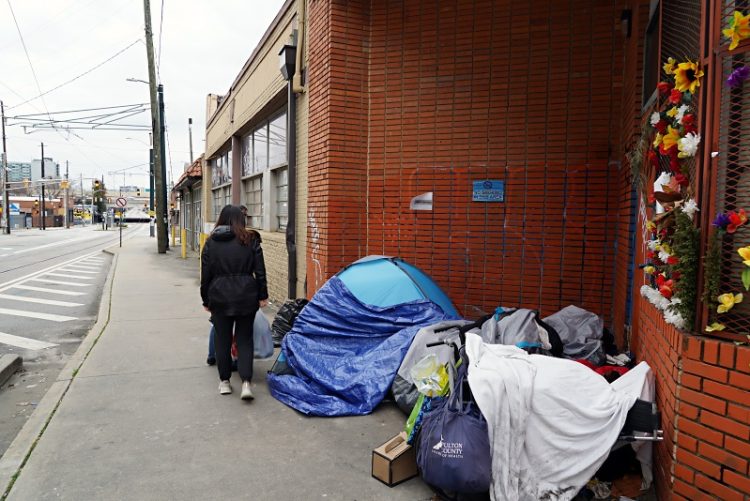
<point>24,342</point>
<point>85,266</point>
<point>80,271</point>
<point>67,275</point>
<point>58,282</point>
<point>50,302</point>
<point>51,291</point>
<point>33,314</point>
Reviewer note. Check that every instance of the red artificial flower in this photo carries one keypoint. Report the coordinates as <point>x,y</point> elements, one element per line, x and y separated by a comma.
<point>666,291</point>
<point>661,126</point>
<point>651,198</point>
<point>664,88</point>
<point>653,158</point>
<point>674,163</point>
<point>688,119</point>
<point>681,179</point>
<point>660,279</point>
<point>672,260</point>
<point>675,275</point>
<point>736,219</point>
<point>650,254</point>
<point>675,97</point>
<point>690,128</point>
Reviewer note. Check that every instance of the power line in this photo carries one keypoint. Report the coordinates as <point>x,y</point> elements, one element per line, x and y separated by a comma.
<point>161,24</point>
<point>77,77</point>
<point>28,58</point>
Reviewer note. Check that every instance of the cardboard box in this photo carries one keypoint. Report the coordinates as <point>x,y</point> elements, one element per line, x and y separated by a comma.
<point>395,461</point>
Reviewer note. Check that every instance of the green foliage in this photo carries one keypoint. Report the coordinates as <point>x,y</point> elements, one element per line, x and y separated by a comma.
<point>712,271</point>
<point>685,243</point>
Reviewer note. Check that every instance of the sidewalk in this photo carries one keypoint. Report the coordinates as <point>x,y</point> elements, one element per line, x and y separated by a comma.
<point>142,417</point>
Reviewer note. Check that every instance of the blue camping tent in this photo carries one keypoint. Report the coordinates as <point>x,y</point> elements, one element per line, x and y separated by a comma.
<point>348,342</point>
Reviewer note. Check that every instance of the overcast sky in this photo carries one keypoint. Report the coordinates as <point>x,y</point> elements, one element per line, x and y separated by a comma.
<point>204,44</point>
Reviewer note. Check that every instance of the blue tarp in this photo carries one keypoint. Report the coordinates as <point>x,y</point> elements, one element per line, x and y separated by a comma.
<point>345,353</point>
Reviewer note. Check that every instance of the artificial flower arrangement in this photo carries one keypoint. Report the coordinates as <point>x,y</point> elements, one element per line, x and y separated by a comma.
<point>672,255</point>
<point>738,30</point>
<point>726,223</point>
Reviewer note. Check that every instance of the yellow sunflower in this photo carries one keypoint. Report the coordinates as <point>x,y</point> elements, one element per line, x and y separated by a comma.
<point>687,77</point>
<point>739,29</point>
<point>670,66</point>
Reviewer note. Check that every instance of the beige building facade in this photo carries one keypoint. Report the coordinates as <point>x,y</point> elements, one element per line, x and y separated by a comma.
<point>247,153</point>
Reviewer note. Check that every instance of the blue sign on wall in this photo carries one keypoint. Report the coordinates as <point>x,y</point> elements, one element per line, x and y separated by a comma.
<point>489,191</point>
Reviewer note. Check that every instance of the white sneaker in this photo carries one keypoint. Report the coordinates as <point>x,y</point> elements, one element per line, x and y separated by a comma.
<point>225,388</point>
<point>247,393</point>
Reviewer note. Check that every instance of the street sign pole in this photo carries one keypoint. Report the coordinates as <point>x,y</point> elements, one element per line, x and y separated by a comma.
<point>122,214</point>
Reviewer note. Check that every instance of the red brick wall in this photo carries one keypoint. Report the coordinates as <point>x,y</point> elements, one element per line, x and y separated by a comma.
<point>337,155</point>
<point>713,423</point>
<point>660,345</point>
<point>412,97</point>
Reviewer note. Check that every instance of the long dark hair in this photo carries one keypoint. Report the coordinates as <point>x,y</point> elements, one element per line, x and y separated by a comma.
<point>232,216</point>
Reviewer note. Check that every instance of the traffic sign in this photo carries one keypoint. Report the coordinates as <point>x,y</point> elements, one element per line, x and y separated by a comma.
<point>121,202</point>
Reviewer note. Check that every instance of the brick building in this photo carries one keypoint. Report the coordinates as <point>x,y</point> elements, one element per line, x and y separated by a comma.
<point>425,99</point>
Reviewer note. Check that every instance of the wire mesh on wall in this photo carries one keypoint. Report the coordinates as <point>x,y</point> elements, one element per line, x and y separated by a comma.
<point>733,186</point>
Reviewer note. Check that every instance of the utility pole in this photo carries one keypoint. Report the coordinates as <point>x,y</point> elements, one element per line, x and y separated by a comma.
<point>163,190</point>
<point>43,226</point>
<point>6,204</point>
<point>161,229</point>
<point>65,194</point>
<point>151,212</point>
<point>190,137</point>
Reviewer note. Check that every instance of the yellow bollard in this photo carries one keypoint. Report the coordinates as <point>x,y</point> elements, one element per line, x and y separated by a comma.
<point>174,236</point>
<point>183,242</point>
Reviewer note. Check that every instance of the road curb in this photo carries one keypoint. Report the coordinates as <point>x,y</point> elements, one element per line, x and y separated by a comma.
<point>23,445</point>
<point>9,364</point>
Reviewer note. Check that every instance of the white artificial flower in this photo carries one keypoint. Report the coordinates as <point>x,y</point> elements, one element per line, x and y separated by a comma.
<point>688,145</point>
<point>681,112</point>
<point>690,208</point>
<point>655,117</point>
<point>663,256</point>
<point>646,291</point>
<point>663,180</point>
<point>674,318</point>
<point>675,301</point>
<point>653,245</point>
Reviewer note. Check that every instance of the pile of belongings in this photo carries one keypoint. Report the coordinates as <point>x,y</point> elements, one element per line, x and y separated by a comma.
<point>552,419</point>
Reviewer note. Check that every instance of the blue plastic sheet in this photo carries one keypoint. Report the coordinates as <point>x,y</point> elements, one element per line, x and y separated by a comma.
<point>345,354</point>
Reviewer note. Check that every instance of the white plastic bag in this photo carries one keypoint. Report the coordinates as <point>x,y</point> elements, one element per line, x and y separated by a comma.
<point>430,376</point>
<point>262,338</point>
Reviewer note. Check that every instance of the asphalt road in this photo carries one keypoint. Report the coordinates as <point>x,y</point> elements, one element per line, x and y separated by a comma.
<point>51,284</point>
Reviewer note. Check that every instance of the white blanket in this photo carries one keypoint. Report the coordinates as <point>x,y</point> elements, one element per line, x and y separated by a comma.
<point>551,421</point>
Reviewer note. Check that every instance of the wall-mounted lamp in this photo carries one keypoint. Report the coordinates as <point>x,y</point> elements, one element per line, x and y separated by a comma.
<point>287,57</point>
<point>626,21</point>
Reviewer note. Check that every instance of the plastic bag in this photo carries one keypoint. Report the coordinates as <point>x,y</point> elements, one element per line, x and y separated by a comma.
<point>412,419</point>
<point>285,318</point>
<point>262,339</point>
<point>430,376</point>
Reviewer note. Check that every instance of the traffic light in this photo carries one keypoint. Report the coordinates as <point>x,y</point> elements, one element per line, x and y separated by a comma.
<point>26,182</point>
<point>64,184</point>
<point>138,192</point>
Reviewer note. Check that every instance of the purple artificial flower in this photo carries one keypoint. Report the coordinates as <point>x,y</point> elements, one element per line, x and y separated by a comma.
<point>738,76</point>
<point>721,221</point>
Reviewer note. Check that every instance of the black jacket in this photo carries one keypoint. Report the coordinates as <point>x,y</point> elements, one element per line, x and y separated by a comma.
<point>233,276</point>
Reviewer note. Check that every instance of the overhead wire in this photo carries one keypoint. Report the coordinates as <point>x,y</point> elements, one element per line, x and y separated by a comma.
<point>161,25</point>
<point>76,77</point>
<point>28,58</point>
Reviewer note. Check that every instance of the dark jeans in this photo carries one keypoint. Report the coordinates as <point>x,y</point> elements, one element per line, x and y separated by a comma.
<point>242,326</point>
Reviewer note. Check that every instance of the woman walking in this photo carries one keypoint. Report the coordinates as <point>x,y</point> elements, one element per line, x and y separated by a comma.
<point>233,287</point>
